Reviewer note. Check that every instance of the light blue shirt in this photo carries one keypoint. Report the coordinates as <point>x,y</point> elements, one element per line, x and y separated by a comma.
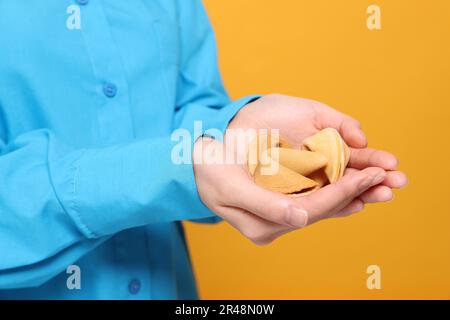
<point>90,92</point>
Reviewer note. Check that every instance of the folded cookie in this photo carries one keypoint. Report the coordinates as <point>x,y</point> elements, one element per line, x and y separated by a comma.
<point>276,166</point>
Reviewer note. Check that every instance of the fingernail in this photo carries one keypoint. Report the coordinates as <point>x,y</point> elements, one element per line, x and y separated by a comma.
<point>362,135</point>
<point>391,199</point>
<point>395,163</point>
<point>404,182</point>
<point>297,217</point>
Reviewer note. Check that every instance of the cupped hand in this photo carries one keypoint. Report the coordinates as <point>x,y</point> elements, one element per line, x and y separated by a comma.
<point>262,215</point>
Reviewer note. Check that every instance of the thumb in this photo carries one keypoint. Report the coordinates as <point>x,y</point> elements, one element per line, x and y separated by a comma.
<point>271,206</point>
<point>333,197</point>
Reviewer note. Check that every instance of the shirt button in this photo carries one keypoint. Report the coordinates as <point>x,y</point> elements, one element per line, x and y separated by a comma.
<point>110,90</point>
<point>82,2</point>
<point>134,286</point>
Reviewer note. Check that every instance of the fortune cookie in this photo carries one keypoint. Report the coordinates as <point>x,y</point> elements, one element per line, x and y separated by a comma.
<point>275,165</point>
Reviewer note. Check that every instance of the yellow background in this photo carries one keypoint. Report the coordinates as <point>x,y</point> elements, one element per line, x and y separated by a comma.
<point>396,81</point>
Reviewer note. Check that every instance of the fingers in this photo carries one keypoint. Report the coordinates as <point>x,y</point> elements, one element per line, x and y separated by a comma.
<point>263,232</point>
<point>377,194</point>
<point>393,180</point>
<point>373,195</point>
<point>348,127</point>
<point>334,197</point>
<point>352,134</point>
<point>363,158</point>
<point>355,206</point>
<point>262,216</point>
<point>382,192</point>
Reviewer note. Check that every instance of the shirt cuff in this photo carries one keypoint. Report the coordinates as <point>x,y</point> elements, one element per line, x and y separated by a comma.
<point>222,122</point>
<point>226,114</point>
<point>108,190</point>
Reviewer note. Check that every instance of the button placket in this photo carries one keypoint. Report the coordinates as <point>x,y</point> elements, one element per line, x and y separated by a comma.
<point>114,111</point>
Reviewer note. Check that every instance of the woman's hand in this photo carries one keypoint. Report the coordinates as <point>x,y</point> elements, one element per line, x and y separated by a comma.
<point>262,215</point>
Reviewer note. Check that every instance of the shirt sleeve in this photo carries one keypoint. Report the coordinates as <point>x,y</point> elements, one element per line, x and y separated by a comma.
<point>202,96</point>
<point>58,203</point>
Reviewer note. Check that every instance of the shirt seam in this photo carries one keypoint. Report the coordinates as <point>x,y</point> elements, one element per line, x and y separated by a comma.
<point>74,205</point>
